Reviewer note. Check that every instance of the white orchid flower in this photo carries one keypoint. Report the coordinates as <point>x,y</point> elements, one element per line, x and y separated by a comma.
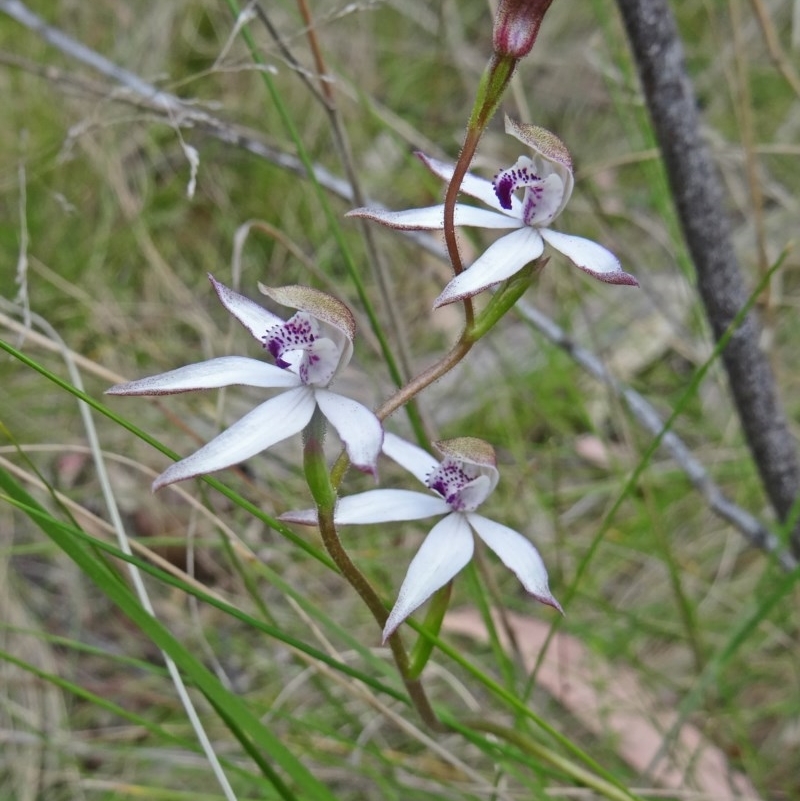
<point>310,348</point>
<point>460,483</point>
<point>547,180</point>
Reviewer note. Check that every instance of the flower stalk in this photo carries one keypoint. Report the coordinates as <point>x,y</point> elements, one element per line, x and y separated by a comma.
<point>358,581</point>
<point>492,86</point>
<point>516,27</point>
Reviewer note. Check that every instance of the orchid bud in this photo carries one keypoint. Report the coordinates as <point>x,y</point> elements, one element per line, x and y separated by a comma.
<point>516,26</point>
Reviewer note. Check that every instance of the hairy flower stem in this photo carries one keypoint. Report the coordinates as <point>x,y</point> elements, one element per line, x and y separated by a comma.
<point>493,84</point>
<point>358,581</point>
<point>324,496</point>
<point>426,377</point>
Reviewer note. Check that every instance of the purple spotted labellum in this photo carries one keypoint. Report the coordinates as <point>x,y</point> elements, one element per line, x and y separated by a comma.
<point>459,484</point>
<point>546,180</point>
<point>309,349</point>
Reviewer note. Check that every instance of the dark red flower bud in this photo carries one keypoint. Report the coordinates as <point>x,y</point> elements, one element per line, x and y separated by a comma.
<point>517,25</point>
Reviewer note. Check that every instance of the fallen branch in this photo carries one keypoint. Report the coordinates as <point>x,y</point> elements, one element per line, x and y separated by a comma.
<point>698,197</point>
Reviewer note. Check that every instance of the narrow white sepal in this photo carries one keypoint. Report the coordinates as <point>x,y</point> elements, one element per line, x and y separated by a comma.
<point>271,422</point>
<point>431,218</point>
<point>503,259</point>
<point>375,506</point>
<point>256,319</point>
<point>590,257</point>
<point>417,461</point>
<point>472,216</point>
<point>222,372</point>
<point>445,551</point>
<point>303,517</point>
<point>518,554</point>
<point>388,505</point>
<point>357,427</point>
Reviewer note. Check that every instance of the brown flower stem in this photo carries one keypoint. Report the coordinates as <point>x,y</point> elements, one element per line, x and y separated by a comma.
<point>358,581</point>
<point>407,392</point>
<point>453,188</point>
<point>324,495</point>
<point>493,84</point>
<point>426,377</point>
<point>462,165</point>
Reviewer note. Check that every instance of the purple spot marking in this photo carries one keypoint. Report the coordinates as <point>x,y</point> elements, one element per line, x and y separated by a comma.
<point>295,334</point>
<point>507,181</point>
<point>448,480</point>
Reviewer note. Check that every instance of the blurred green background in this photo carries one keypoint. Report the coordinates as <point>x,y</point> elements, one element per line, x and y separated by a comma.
<point>99,239</point>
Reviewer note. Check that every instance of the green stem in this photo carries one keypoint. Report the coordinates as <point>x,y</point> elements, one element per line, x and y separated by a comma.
<point>493,85</point>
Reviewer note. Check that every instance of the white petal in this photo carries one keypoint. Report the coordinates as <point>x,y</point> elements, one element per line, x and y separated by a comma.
<point>376,506</point>
<point>590,257</point>
<point>483,218</point>
<point>357,427</point>
<point>388,505</point>
<point>475,493</point>
<point>428,218</point>
<point>518,555</point>
<point>417,461</point>
<point>222,372</point>
<point>444,552</point>
<point>432,218</point>
<point>256,319</point>
<point>504,258</point>
<point>473,186</point>
<point>542,207</point>
<point>271,422</point>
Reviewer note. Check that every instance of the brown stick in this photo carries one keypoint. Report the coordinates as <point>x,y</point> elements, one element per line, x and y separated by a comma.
<point>698,196</point>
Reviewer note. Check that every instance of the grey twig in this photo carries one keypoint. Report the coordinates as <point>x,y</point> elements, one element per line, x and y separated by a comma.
<point>177,112</point>
<point>180,113</point>
<point>71,47</point>
<point>698,196</point>
<point>752,529</point>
